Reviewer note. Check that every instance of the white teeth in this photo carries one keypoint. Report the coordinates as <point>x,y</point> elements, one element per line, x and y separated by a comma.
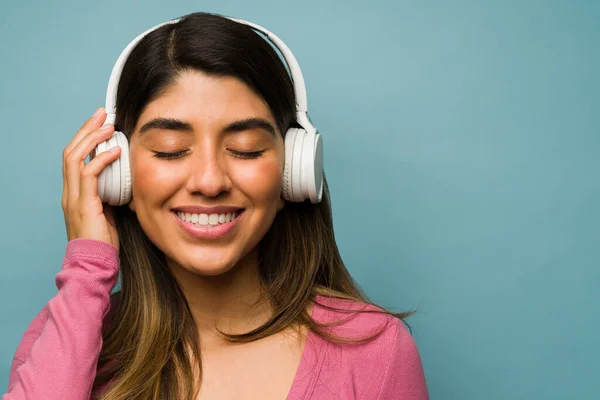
<point>206,219</point>
<point>203,219</point>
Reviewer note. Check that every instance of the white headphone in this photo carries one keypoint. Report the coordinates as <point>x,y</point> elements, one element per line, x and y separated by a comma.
<point>303,172</point>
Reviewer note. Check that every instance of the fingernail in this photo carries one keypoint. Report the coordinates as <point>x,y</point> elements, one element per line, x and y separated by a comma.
<point>105,127</point>
<point>98,112</point>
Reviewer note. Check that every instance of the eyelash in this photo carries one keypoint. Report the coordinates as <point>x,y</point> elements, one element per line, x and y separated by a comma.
<point>239,154</point>
<point>169,156</point>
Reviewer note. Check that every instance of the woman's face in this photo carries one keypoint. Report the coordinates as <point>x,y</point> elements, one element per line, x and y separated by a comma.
<point>224,162</point>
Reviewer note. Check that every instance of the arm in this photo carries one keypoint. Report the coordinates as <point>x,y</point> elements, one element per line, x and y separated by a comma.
<point>58,353</point>
<point>403,376</point>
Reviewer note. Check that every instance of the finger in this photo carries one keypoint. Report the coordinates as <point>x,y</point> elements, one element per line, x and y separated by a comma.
<point>89,175</point>
<point>94,122</point>
<point>75,159</point>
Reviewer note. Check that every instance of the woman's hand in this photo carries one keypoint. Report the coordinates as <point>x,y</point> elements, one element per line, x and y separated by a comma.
<point>85,214</point>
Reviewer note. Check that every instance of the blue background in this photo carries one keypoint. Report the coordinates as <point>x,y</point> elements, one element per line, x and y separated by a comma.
<point>462,150</point>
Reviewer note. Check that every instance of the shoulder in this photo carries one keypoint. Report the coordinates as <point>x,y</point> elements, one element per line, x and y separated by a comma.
<point>385,366</point>
<point>356,319</point>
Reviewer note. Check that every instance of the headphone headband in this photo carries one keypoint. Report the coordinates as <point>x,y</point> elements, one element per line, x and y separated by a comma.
<point>296,73</point>
<point>303,170</point>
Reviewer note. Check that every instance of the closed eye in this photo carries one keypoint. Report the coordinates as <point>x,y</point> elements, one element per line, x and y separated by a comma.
<point>239,154</point>
<point>170,156</point>
<point>247,154</point>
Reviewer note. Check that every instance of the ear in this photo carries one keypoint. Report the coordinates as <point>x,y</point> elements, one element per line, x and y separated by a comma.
<point>131,205</point>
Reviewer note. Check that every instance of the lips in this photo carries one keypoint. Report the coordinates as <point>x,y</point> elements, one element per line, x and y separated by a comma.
<point>207,219</point>
<point>210,232</point>
<point>197,209</point>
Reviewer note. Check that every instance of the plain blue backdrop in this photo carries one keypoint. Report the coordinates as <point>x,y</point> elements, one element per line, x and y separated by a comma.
<point>462,147</point>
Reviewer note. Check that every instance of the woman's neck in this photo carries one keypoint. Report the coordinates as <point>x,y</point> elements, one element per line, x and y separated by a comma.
<point>229,302</point>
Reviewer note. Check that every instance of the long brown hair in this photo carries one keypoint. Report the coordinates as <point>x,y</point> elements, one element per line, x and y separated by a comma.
<point>151,348</point>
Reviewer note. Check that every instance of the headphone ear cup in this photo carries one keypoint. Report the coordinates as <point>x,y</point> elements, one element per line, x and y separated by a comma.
<point>114,181</point>
<point>124,170</point>
<point>297,165</point>
<point>314,168</point>
<point>114,184</point>
<point>307,166</point>
<point>303,173</point>
<point>290,138</point>
<point>106,176</point>
<point>100,148</point>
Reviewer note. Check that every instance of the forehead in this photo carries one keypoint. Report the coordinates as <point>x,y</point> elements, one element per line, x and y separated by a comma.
<point>206,101</point>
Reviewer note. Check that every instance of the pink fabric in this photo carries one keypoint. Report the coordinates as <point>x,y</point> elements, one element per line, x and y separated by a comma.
<point>57,356</point>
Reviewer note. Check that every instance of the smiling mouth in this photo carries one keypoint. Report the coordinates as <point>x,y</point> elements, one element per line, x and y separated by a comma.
<point>208,220</point>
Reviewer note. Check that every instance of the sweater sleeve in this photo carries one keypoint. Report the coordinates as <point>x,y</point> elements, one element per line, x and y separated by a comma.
<point>57,356</point>
<point>404,377</point>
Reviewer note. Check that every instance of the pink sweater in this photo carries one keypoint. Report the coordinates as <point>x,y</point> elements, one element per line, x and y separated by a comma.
<point>57,356</point>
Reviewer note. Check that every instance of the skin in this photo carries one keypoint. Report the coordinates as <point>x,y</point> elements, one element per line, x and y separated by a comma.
<point>219,277</point>
<point>211,271</point>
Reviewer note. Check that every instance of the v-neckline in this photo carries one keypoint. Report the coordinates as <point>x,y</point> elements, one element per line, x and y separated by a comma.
<point>311,361</point>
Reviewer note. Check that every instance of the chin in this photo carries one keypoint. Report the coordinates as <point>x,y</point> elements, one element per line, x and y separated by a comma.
<point>204,265</point>
<point>210,270</point>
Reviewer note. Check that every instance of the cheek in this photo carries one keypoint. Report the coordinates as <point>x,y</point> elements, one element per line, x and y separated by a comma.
<point>260,179</point>
<point>150,179</point>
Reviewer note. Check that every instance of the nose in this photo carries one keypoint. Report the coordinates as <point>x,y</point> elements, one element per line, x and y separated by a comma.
<point>208,175</point>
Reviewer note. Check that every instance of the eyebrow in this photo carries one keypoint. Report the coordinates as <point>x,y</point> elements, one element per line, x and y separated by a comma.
<point>182,126</point>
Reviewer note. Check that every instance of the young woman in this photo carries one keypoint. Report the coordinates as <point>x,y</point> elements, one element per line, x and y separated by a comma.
<point>232,283</point>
